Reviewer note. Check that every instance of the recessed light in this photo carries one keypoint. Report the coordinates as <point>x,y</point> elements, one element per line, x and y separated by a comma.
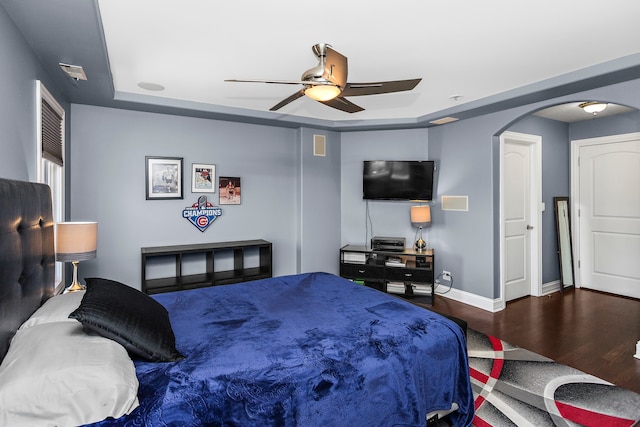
<point>150,86</point>
<point>444,120</point>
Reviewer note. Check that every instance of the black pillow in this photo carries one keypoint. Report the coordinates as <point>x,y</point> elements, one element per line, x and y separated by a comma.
<point>129,317</point>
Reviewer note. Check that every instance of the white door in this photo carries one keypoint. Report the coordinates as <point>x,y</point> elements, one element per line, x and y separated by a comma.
<point>609,214</point>
<point>519,195</point>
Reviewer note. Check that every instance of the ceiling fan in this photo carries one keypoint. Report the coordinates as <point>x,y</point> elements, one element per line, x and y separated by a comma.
<point>327,82</point>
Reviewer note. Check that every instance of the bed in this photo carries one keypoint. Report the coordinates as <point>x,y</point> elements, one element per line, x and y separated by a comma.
<point>308,349</point>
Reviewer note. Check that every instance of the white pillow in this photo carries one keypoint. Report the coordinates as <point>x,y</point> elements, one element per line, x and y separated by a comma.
<point>55,374</point>
<point>55,309</point>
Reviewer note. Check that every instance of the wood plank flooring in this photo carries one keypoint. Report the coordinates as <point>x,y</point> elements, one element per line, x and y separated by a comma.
<point>591,331</point>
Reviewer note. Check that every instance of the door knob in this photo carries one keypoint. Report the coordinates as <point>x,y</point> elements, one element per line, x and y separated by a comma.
<point>529,227</point>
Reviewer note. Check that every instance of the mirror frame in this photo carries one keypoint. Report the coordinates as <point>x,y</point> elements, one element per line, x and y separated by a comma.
<point>565,247</point>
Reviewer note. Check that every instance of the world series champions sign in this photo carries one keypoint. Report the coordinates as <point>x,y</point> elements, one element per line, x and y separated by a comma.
<point>202,213</point>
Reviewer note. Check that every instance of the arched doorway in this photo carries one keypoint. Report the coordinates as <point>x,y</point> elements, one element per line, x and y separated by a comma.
<point>558,125</point>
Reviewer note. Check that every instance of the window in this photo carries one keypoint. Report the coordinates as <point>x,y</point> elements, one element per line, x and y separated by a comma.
<point>50,154</point>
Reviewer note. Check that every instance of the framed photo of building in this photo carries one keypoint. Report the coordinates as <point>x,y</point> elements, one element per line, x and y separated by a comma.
<point>202,178</point>
<point>163,178</point>
<point>230,192</point>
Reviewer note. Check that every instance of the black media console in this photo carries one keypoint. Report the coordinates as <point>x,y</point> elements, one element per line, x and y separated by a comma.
<point>407,273</point>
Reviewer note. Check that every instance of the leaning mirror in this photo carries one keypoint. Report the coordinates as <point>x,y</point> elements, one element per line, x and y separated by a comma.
<point>565,254</point>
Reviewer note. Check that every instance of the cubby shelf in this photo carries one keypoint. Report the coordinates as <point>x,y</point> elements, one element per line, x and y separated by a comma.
<point>210,276</point>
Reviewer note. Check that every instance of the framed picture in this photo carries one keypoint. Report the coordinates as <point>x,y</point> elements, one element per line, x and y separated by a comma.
<point>229,190</point>
<point>163,177</point>
<point>202,178</point>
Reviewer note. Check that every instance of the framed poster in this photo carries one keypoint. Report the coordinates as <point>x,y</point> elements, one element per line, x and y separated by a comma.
<point>229,190</point>
<point>202,178</point>
<point>163,178</point>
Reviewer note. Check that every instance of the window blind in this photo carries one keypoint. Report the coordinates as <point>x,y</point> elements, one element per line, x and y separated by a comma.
<point>51,134</point>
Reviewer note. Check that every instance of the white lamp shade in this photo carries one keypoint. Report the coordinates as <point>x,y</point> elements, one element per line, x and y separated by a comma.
<point>76,241</point>
<point>420,215</point>
<point>322,92</point>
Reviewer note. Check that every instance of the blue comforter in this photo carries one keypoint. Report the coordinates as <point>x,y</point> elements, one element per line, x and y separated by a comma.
<point>304,350</point>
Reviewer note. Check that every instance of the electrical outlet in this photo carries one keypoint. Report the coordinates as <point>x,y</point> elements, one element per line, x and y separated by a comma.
<point>446,275</point>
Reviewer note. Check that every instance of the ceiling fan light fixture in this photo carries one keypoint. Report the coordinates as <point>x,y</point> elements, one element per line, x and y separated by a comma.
<point>593,107</point>
<point>322,92</point>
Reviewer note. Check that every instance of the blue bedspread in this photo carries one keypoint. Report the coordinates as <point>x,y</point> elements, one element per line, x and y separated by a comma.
<point>303,350</point>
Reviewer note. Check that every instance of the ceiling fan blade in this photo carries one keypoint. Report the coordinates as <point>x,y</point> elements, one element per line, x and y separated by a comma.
<point>335,67</point>
<point>376,88</point>
<point>285,101</point>
<point>343,104</point>
<point>280,82</point>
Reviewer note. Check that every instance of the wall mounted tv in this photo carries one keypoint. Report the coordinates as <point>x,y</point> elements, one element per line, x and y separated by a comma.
<point>397,179</point>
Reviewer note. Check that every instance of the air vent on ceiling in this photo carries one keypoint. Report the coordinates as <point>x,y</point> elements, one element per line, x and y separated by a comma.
<point>444,120</point>
<point>74,71</point>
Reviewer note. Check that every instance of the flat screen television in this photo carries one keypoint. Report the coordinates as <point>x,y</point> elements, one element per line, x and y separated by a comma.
<point>397,179</point>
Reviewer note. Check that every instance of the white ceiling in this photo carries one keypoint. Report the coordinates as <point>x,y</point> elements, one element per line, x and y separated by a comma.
<point>472,49</point>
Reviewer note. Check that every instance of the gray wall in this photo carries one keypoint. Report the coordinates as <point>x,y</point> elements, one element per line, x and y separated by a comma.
<point>281,187</point>
<point>387,218</point>
<point>319,211</point>
<point>623,123</point>
<point>464,240</point>
<point>19,70</point>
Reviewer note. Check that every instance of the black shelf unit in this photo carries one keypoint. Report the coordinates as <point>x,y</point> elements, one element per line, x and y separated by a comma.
<point>412,278</point>
<point>210,276</point>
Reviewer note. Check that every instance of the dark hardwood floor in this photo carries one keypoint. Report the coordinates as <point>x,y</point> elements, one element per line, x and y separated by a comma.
<point>591,331</point>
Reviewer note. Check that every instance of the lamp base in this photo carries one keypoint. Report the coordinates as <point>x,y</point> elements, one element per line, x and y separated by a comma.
<point>75,285</point>
<point>420,245</point>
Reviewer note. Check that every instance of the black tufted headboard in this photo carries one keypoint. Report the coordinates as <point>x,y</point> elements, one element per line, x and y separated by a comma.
<point>27,259</point>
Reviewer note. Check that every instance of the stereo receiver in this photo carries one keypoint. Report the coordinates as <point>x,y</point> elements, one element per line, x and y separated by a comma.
<point>393,244</point>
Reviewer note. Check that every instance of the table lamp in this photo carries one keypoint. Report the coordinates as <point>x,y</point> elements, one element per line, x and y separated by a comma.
<point>75,242</point>
<point>420,217</point>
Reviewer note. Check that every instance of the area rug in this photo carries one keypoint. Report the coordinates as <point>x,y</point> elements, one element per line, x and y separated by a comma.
<point>516,387</point>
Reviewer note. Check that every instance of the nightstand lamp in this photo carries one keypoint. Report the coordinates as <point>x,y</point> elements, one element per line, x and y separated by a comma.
<point>420,217</point>
<point>75,242</point>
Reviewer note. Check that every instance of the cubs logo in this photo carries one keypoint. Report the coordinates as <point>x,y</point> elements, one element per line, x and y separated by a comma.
<point>202,213</point>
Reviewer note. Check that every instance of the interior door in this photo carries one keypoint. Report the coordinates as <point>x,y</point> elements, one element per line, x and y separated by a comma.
<point>609,216</point>
<point>517,219</point>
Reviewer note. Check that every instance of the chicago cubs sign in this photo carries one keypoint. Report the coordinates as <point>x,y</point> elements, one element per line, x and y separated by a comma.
<point>202,213</point>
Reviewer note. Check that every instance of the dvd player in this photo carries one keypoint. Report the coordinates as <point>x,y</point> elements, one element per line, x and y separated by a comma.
<point>393,244</point>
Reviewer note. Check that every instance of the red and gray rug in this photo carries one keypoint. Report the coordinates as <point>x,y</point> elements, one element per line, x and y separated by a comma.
<point>515,387</point>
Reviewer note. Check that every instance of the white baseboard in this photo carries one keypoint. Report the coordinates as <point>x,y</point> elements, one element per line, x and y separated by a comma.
<point>488,304</point>
<point>550,287</point>
<point>472,299</point>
